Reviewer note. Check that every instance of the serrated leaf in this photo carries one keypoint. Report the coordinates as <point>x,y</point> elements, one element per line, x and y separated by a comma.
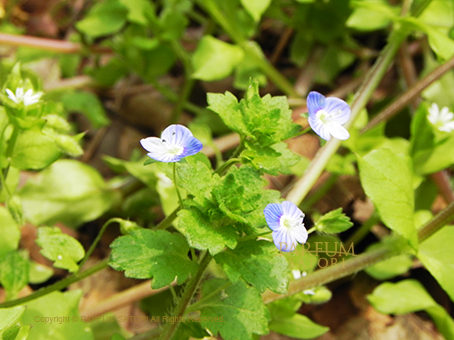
<point>297,326</point>
<point>272,159</point>
<point>196,179</point>
<point>61,248</point>
<point>241,308</point>
<point>387,180</point>
<point>206,235</point>
<point>258,263</point>
<point>227,107</point>
<point>68,191</point>
<point>156,254</point>
<point>334,222</point>
<point>436,255</point>
<point>410,296</point>
<point>57,306</point>
<point>215,59</point>
<point>13,273</point>
<point>240,196</point>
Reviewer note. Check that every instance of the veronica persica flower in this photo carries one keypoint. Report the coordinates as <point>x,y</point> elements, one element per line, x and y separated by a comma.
<point>286,222</point>
<point>28,97</point>
<point>442,120</point>
<point>176,142</point>
<point>327,115</point>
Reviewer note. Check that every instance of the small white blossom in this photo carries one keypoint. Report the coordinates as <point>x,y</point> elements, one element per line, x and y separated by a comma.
<point>442,120</point>
<point>28,98</point>
<point>308,292</point>
<point>296,274</point>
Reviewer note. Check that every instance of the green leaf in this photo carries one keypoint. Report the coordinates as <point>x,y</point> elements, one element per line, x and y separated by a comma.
<point>387,180</point>
<point>196,179</point>
<point>410,296</point>
<point>34,150</point>
<point>13,273</point>
<point>144,254</point>
<point>240,307</point>
<point>139,11</point>
<point>68,191</point>
<point>227,107</point>
<point>256,7</point>
<point>62,311</point>
<point>241,197</point>
<point>88,104</point>
<point>9,317</point>
<point>371,15</point>
<point>203,234</point>
<point>258,263</point>
<point>61,248</point>
<point>104,18</point>
<point>39,273</point>
<point>297,326</point>
<point>215,59</point>
<point>391,267</point>
<point>272,159</point>
<point>10,233</point>
<point>436,255</point>
<point>334,222</point>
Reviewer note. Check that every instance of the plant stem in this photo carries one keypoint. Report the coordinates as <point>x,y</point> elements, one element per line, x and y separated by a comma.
<point>355,264</point>
<point>224,167</point>
<point>58,285</point>
<point>170,328</point>
<point>409,95</point>
<point>10,149</point>
<point>97,239</point>
<point>176,185</point>
<point>321,159</point>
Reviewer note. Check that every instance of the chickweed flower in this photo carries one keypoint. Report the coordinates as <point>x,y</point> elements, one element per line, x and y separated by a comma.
<point>327,115</point>
<point>176,142</point>
<point>442,120</point>
<point>27,97</point>
<point>286,222</point>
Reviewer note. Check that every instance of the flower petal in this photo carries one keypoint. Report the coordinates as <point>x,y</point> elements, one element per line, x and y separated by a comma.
<point>300,234</point>
<point>273,213</point>
<point>284,241</point>
<point>151,144</point>
<point>292,211</point>
<point>177,135</point>
<point>193,147</point>
<point>11,95</point>
<point>337,131</point>
<point>318,127</point>
<point>339,110</point>
<point>315,102</point>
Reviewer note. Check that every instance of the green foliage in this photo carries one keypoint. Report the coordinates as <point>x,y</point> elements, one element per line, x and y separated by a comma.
<point>158,254</point>
<point>13,274</point>
<point>410,296</point>
<point>240,307</point>
<point>285,320</point>
<point>258,263</point>
<point>387,180</point>
<point>9,319</point>
<point>68,191</point>
<point>88,104</point>
<point>10,232</point>
<point>61,248</point>
<point>62,305</point>
<point>215,59</point>
<point>435,255</point>
<point>333,222</point>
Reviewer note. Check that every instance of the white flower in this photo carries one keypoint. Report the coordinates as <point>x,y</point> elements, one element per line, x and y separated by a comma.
<point>28,98</point>
<point>327,115</point>
<point>442,120</point>
<point>176,142</point>
<point>286,222</point>
<point>296,274</point>
<point>308,292</point>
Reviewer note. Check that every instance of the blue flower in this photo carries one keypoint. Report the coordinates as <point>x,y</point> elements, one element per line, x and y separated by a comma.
<point>176,142</point>
<point>327,115</point>
<point>286,222</point>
